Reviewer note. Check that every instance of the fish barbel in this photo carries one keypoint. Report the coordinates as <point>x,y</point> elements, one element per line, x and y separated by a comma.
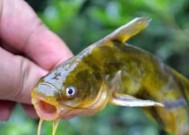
<point>111,71</point>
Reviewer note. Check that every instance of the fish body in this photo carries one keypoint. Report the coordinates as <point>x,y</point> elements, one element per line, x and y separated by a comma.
<point>111,71</point>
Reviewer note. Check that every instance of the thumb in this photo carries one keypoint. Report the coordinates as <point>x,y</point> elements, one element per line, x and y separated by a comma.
<point>18,77</point>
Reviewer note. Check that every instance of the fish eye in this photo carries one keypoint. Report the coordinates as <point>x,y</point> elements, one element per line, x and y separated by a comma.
<point>70,91</point>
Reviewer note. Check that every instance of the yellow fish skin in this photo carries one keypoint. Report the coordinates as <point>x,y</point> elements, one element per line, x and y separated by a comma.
<point>111,71</point>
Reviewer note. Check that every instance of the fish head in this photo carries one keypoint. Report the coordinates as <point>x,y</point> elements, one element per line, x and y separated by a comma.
<point>72,89</point>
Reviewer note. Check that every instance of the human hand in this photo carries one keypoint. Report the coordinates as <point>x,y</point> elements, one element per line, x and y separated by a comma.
<point>28,50</point>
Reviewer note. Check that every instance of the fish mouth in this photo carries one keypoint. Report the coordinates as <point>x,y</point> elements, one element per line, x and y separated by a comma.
<point>45,111</point>
<point>46,108</point>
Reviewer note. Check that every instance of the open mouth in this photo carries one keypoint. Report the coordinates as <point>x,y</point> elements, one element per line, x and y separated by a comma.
<point>50,112</point>
<point>45,110</point>
<point>43,99</point>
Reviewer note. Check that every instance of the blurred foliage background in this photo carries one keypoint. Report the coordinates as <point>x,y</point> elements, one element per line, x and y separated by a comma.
<point>82,22</point>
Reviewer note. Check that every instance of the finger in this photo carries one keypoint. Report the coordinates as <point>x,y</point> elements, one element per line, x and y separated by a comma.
<point>30,110</point>
<point>18,77</point>
<point>25,32</point>
<point>6,108</point>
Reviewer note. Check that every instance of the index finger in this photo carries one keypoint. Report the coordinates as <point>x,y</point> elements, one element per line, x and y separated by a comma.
<point>21,28</point>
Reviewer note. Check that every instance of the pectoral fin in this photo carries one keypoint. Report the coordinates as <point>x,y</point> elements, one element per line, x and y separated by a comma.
<point>129,101</point>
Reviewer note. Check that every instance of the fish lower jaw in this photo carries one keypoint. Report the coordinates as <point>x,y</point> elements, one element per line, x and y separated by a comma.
<point>45,110</point>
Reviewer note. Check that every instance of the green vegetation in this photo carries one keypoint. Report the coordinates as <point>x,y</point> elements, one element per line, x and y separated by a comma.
<point>82,22</point>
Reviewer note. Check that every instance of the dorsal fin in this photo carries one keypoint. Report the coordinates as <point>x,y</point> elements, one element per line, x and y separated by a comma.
<point>128,30</point>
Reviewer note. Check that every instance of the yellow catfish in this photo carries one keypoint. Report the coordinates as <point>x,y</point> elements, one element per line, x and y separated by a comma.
<point>112,72</point>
